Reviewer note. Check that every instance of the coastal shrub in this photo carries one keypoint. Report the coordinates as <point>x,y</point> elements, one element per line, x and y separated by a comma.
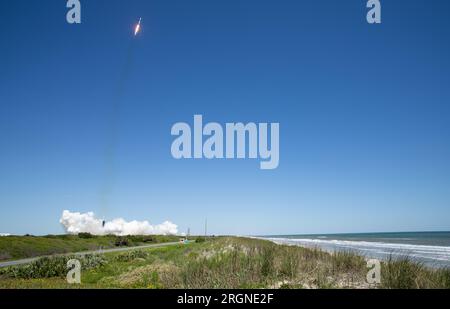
<point>200,240</point>
<point>136,239</point>
<point>131,255</point>
<point>85,235</point>
<point>50,236</point>
<point>5,256</point>
<point>147,239</point>
<point>49,267</point>
<point>121,241</point>
<point>165,238</point>
<point>91,261</point>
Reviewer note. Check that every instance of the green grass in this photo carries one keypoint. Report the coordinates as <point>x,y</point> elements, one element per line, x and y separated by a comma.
<point>228,262</point>
<point>406,274</point>
<point>19,247</point>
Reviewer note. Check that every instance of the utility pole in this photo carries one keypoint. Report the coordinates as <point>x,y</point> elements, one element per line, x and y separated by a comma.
<point>206,227</point>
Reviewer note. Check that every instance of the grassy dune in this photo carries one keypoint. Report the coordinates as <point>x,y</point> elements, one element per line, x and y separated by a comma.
<point>224,263</point>
<point>19,247</point>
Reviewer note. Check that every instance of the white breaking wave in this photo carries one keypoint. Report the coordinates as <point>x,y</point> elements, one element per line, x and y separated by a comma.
<point>75,223</point>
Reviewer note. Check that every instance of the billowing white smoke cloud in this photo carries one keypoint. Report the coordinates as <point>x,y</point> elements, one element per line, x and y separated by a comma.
<point>75,222</point>
<point>4,234</point>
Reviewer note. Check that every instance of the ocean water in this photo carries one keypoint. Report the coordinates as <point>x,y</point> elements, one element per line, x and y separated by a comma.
<point>429,248</point>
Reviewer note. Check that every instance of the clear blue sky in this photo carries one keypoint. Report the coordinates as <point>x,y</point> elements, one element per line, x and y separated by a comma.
<point>364,113</point>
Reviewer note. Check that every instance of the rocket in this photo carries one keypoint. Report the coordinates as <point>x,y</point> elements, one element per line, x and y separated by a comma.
<point>137,29</point>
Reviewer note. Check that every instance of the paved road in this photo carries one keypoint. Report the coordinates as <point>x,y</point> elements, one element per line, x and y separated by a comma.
<point>26,261</point>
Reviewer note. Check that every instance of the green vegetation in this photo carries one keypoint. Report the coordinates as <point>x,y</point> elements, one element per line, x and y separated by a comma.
<point>226,262</point>
<point>200,240</point>
<point>85,235</point>
<point>19,247</point>
<point>131,255</point>
<point>50,267</point>
<point>406,274</point>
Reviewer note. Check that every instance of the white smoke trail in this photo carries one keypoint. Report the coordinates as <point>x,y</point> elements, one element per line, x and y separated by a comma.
<point>75,222</point>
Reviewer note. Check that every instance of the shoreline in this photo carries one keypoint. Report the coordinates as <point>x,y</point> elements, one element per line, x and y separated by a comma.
<point>436,257</point>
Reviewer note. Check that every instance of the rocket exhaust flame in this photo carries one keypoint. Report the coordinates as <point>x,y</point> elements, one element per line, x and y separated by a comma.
<point>137,29</point>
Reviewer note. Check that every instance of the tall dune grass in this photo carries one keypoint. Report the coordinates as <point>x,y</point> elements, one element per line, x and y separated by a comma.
<point>231,263</point>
